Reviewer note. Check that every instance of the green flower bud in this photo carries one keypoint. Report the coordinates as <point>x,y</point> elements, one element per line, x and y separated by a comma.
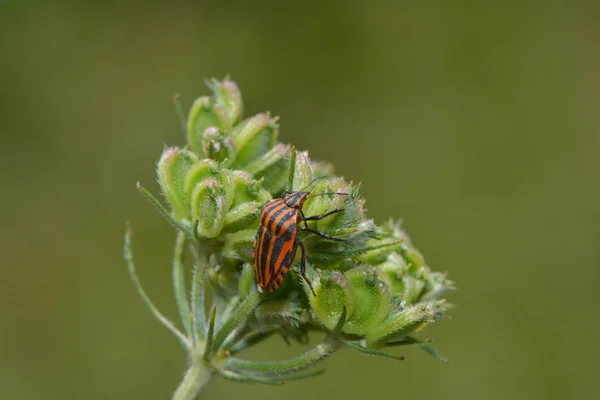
<point>278,312</point>
<point>333,292</point>
<point>393,271</point>
<point>381,255</point>
<point>227,95</point>
<point>406,287</point>
<point>303,173</point>
<point>248,199</point>
<point>436,308</point>
<point>198,172</point>
<point>375,257</point>
<point>253,138</point>
<point>204,114</point>
<point>372,300</point>
<point>216,145</point>
<point>221,184</point>
<point>172,170</point>
<point>413,257</point>
<point>243,216</point>
<point>341,196</point>
<point>272,167</point>
<point>248,189</point>
<point>413,288</point>
<point>240,245</point>
<point>402,320</point>
<point>436,286</point>
<point>209,207</point>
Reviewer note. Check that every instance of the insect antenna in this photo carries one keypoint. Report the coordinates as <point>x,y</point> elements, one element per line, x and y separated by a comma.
<point>312,183</point>
<point>323,194</point>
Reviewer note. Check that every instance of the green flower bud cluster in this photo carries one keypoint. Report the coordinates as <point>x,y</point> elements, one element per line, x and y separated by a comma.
<point>388,292</point>
<point>372,287</point>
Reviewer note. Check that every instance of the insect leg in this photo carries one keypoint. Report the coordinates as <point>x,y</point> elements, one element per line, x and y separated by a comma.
<point>323,235</point>
<point>303,268</point>
<point>303,218</point>
<point>318,217</point>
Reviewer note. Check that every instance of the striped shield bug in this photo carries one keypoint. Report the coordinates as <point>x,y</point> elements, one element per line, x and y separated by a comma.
<point>277,238</point>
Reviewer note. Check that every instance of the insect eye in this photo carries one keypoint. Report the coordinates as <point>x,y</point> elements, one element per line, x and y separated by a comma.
<point>284,194</point>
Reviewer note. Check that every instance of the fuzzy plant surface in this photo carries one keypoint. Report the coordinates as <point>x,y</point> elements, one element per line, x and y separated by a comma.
<point>372,290</point>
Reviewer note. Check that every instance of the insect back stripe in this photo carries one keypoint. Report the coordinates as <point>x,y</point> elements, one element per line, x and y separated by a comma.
<point>257,246</point>
<point>268,209</point>
<point>285,263</point>
<point>261,238</point>
<point>282,258</point>
<point>274,228</point>
<point>286,260</point>
<point>264,243</point>
<point>284,243</point>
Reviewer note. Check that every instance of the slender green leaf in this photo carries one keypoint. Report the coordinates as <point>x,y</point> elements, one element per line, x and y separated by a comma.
<point>405,341</point>
<point>409,340</point>
<point>164,212</point>
<point>250,340</point>
<point>236,376</point>
<point>210,335</point>
<point>370,351</point>
<point>431,350</point>
<point>128,253</point>
<point>228,310</point>
<point>301,362</point>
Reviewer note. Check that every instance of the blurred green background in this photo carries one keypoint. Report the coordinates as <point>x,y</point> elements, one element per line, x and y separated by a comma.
<point>476,122</point>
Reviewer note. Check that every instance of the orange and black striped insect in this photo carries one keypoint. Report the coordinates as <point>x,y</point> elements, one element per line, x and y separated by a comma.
<point>277,237</point>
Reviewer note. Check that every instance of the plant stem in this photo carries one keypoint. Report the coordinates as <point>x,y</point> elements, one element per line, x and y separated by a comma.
<point>179,287</point>
<point>194,381</point>
<point>237,318</point>
<point>197,292</point>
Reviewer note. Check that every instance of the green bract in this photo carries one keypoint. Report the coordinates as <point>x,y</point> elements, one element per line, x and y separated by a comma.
<point>373,289</point>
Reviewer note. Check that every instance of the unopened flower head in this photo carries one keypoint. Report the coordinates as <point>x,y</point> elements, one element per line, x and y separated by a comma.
<point>372,287</point>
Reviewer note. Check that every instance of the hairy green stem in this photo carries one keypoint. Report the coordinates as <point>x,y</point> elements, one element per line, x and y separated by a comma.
<point>179,287</point>
<point>197,293</point>
<point>237,318</point>
<point>194,381</point>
